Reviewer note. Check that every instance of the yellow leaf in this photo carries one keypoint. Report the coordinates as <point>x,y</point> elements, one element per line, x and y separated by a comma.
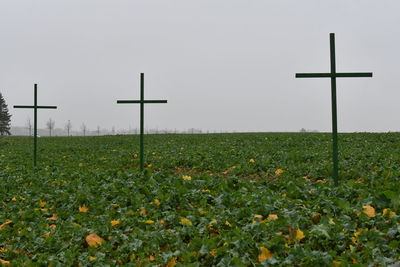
<point>83,208</point>
<point>3,262</point>
<point>284,195</point>
<point>355,237</point>
<point>205,191</point>
<point>115,222</point>
<point>258,216</point>
<point>132,257</point>
<point>46,235</point>
<point>186,222</point>
<point>265,254</point>
<point>203,212</point>
<point>336,263</point>
<point>14,199</point>
<point>228,224</point>
<point>273,216</point>
<point>279,171</point>
<point>369,211</point>
<point>143,211</point>
<point>92,258</point>
<point>42,203</point>
<point>149,221</point>
<point>5,224</point>
<point>151,258</point>
<point>53,226</point>
<point>156,202</point>
<point>94,240</point>
<point>186,177</point>
<point>299,235</point>
<point>80,164</point>
<point>252,161</point>
<point>171,263</point>
<point>53,218</point>
<point>388,212</point>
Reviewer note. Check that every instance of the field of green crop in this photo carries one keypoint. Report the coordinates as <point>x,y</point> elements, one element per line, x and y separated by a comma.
<point>203,200</point>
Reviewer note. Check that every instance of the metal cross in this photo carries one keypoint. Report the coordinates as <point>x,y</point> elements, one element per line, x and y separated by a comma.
<point>141,102</point>
<point>333,75</point>
<point>35,108</point>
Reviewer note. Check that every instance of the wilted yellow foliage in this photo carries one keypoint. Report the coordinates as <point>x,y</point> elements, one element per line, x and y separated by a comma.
<point>83,208</point>
<point>46,235</point>
<point>171,263</point>
<point>228,224</point>
<point>149,221</point>
<point>273,216</point>
<point>258,216</point>
<point>187,177</point>
<point>369,211</point>
<point>265,254</point>
<point>4,262</point>
<point>115,222</point>
<point>299,235</point>
<point>53,218</point>
<point>91,258</point>
<point>5,224</point>
<point>388,212</point>
<point>186,222</point>
<point>157,202</point>
<point>252,161</point>
<point>94,240</point>
<point>336,263</point>
<point>279,171</point>
<point>42,203</point>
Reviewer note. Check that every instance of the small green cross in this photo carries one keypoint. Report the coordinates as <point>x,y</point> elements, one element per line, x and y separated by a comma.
<point>35,108</point>
<point>333,75</point>
<point>141,102</point>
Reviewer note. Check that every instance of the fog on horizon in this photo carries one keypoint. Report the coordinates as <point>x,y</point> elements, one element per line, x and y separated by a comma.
<point>225,65</point>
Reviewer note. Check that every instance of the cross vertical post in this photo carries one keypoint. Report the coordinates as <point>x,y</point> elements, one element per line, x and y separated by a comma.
<point>333,75</point>
<point>142,101</point>
<point>141,121</point>
<point>35,126</point>
<point>335,149</point>
<point>35,107</point>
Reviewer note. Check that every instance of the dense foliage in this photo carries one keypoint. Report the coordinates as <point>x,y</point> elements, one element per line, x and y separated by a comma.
<point>5,117</point>
<point>217,199</point>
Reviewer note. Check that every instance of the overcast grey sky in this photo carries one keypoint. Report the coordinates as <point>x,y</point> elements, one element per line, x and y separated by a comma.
<point>222,64</point>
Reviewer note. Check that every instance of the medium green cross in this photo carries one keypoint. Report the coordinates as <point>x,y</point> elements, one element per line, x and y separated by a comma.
<point>141,102</point>
<point>35,108</point>
<point>333,75</point>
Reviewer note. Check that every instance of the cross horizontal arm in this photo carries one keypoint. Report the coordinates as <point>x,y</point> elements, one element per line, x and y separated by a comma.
<point>333,75</point>
<point>46,107</point>
<point>140,101</point>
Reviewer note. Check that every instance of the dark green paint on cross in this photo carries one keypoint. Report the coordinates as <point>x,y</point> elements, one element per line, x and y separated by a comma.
<point>141,102</point>
<point>333,75</point>
<point>35,108</point>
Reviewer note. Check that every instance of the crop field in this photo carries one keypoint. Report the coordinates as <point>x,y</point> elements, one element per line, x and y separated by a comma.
<point>204,200</point>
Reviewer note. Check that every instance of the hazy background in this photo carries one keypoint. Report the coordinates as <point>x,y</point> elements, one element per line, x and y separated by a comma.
<point>221,64</point>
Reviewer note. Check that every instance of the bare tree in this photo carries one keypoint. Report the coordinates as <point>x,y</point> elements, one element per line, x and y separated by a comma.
<point>83,128</point>
<point>50,125</point>
<point>68,127</point>
<point>29,126</point>
<point>98,130</point>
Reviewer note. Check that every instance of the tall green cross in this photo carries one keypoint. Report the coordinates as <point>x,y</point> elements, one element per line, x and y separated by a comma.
<point>35,108</point>
<point>333,75</point>
<point>141,102</point>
